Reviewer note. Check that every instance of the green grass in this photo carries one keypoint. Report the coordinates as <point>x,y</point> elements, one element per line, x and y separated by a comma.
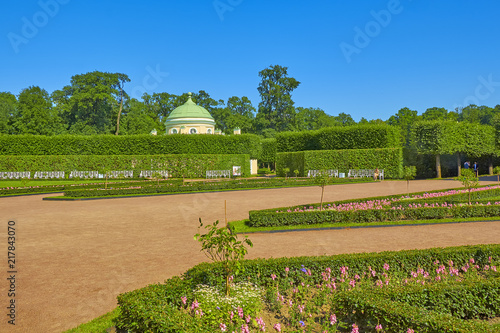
<point>98,325</point>
<point>243,227</point>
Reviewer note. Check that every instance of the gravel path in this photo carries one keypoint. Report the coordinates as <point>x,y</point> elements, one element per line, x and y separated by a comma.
<point>74,258</point>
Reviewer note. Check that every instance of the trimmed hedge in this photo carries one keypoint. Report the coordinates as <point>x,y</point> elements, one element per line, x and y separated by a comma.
<point>428,311</point>
<point>272,218</point>
<point>178,165</point>
<point>199,186</point>
<point>129,144</point>
<point>337,138</point>
<point>268,151</point>
<point>388,159</point>
<point>155,308</point>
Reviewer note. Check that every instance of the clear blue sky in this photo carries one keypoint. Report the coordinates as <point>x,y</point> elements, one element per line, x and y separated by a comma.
<point>365,58</point>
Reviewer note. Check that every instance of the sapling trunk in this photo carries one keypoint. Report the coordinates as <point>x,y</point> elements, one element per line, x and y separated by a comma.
<point>322,191</point>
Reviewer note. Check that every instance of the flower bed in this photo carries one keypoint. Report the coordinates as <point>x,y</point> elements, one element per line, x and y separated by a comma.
<point>420,206</point>
<point>434,290</point>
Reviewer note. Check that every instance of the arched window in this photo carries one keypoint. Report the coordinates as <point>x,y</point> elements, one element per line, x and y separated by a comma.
<point>174,131</point>
<point>209,131</point>
<point>193,131</point>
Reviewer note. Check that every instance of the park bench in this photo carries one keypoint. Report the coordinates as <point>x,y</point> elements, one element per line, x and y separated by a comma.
<point>49,175</point>
<point>360,173</point>
<point>151,173</point>
<point>330,173</point>
<point>84,174</point>
<point>210,174</point>
<point>120,174</point>
<point>14,174</point>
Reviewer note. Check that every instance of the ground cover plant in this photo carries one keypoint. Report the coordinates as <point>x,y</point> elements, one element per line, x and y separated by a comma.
<point>421,206</point>
<point>435,290</point>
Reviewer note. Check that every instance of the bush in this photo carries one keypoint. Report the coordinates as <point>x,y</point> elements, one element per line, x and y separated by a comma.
<point>338,138</point>
<point>390,160</point>
<point>268,151</point>
<point>129,145</point>
<point>177,165</point>
<point>158,308</point>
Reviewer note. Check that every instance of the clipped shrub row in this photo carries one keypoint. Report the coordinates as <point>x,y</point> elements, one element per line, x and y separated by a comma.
<point>388,159</point>
<point>200,186</point>
<point>272,219</point>
<point>427,309</point>
<point>129,145</point>
<point>337,138</point>
<point>177,165</point>
<point>268,151</point>
<point>38,189</point>
<point>155,308</point>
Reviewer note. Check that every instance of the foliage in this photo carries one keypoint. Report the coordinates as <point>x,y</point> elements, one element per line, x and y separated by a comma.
<point>323,179</point>
<point>129,145</point>
<point>449,137</point>
<point>409,173</point>
<point>8,107</point>
<point>336,138</point>
<point>496,171</point>
<point>388,159</point>
<point>469,180</point>
<point>34,114</point>
<point>276,109</point>
<point>178,165</point>
<point>222,245</point>
<point>167,307</point>
<point>268,151</point>
<point>437,205</point>
<point>176,186</point>
<point>91,102</point>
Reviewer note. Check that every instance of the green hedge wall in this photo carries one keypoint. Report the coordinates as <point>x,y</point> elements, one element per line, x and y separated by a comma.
<point>336,138</point>
<point>129,144</point>
<point>388,159</point>
<point>268,151</point>
<point>177,165</point>
<point>267,218</point>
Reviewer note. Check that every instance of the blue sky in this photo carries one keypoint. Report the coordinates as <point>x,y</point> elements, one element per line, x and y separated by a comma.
<point>365,58</point>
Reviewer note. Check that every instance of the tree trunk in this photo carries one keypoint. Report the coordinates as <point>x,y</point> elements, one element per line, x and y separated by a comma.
<point>119,112</point>
<point>438,166</point>
<point>490,166</point>
<point>408,186</point>
<point>459,163</point>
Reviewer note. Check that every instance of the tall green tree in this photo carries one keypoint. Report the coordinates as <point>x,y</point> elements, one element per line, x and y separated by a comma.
<point>476,114</point>
<point>138,119</point>
<point>276,109</point>
<point>8,107</point>
<point>91,103</point>
<point>35,114</point>
<point>162,104</point>
<point>344,119</point>
<point>436,113</point>
<point>308,119</point>
<point>240,114</point>
<point>404,120</point>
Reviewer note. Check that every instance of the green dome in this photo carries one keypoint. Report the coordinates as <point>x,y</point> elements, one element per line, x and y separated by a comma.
<point>189,110</point>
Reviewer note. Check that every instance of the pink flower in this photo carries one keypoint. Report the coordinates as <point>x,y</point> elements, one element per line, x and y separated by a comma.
<point>410,331</point>
<point>378,327</point>
<point>195,305</point>
<point>355,328</point>
<point>386,266</point>
<point>273,276</point>
<point>222,327</point>
<point>245,329</point>
<point>240,312</point>
<point>184,300</point>
<point>333,319</point>
<point>277,327</point>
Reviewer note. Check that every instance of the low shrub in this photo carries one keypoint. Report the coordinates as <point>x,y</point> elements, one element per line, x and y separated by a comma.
<point>361,296</point>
